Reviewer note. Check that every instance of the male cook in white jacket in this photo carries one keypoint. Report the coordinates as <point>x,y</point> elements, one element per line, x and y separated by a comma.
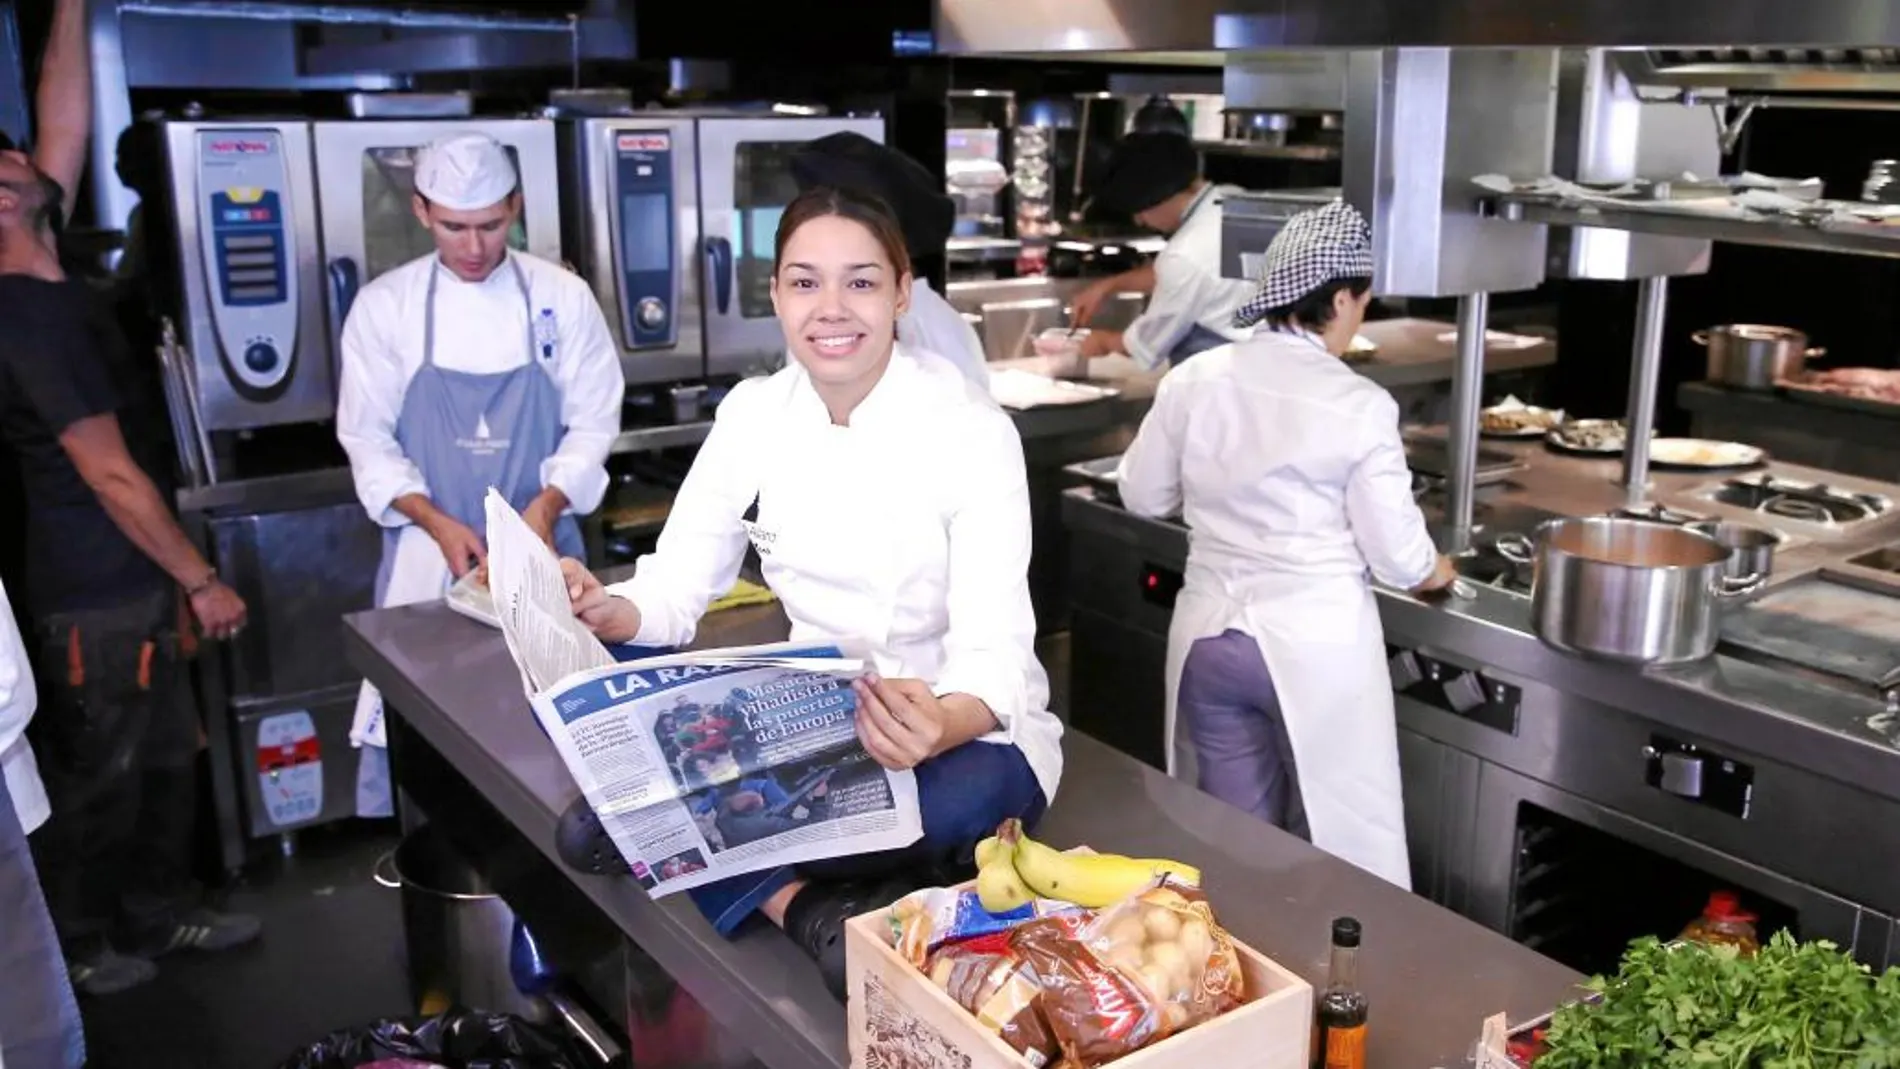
<point>39,1021</point>
<point>471,367</point>
<point>1156,178</point>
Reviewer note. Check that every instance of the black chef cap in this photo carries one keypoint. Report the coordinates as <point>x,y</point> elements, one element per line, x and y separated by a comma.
<point>1146,169</point>
<point>846,160</point>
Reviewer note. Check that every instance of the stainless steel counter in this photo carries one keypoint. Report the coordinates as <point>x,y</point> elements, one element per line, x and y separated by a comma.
<point>1573,742</point>
<point>1431,975</point>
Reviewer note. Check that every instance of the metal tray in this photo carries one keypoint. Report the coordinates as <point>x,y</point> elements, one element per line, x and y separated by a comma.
<point>1808,395</point>
<point>1431,455</point>
<point>1099,475</point>
<point>1828,623</point>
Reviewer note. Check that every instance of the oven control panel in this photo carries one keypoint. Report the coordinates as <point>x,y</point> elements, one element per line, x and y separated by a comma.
<point>1463,692</point>
<point>644,205</point>
<point>245,228</point>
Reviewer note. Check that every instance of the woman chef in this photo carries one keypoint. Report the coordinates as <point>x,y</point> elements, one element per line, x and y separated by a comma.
<point>926,215</point>
<point>887,500</point>
<point>471,367</point>
<point>1289,470</point>
<point>1156,178</point>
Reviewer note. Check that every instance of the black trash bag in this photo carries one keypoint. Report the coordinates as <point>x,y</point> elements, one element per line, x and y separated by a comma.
<point>458,1039</point>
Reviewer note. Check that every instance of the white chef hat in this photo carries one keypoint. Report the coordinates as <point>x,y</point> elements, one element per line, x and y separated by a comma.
<point>465,172</point>
<point>1322,245</point>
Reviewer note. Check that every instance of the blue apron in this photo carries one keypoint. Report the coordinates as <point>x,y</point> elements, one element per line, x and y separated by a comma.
<point>466,431</point>
<point>1199,339</point>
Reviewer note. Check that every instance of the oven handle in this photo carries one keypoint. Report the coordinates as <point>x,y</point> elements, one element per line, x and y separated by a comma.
<point>719,262</point>
<point>343,287</point>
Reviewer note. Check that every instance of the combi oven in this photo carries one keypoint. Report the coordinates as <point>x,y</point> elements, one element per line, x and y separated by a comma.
<point>281,222</point>
<point>672,219</point>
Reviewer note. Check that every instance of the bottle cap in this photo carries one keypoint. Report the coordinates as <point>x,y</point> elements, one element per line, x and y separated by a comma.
<point>1345,932</point>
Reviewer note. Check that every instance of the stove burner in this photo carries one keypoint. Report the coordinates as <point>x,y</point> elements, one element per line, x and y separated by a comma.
<point>1805,502</point>
<point>1487,567</point>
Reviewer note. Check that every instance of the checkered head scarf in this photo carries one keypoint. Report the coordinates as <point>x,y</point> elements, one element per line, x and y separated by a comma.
<point>1323,245</point>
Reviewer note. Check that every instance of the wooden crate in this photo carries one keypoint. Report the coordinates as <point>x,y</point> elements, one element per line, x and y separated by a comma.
<point>900,1020</point>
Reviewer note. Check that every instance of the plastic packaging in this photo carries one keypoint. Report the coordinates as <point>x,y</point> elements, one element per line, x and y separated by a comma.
<point>925,920</point>
<point>1142,970</point>
<point>1724,923</point>
<point>458,1039</point>
<point>1000,990</point>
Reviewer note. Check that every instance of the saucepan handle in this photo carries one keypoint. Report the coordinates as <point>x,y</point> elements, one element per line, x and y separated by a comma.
<point>1817,351</point>
<point>1731,587</point>
<point>1515,548</point>
<point>1700,337</point>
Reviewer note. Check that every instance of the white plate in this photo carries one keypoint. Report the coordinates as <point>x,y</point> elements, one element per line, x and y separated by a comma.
<point>1703,453</point>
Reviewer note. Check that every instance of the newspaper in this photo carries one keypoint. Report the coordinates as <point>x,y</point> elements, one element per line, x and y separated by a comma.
<point>701,765</point>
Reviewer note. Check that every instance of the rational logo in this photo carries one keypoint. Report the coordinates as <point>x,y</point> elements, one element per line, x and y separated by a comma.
<point>238,147</point>
<point>644,142</point>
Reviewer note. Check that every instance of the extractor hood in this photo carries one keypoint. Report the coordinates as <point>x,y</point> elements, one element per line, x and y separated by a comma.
<point>1187,27</point>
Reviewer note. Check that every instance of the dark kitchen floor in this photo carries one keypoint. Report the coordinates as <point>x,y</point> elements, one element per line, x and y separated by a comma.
<point>330,957</point>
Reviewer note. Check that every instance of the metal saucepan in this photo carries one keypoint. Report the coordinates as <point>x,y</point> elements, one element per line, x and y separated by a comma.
<point>1627,590</point>
<point>1750,356</point>
<point>1751,550</point>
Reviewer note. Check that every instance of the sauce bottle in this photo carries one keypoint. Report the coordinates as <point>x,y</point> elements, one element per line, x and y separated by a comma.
<point>1724,921</point>
<point>1339,1036</point>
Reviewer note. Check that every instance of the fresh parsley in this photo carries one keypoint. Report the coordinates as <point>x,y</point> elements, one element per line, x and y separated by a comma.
<point>1689,1006</point>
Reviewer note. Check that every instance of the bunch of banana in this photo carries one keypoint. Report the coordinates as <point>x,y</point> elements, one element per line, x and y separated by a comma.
<point>1013,870</point>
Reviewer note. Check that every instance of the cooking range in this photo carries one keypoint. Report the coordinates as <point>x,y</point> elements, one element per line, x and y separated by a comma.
<point>1540,786</point>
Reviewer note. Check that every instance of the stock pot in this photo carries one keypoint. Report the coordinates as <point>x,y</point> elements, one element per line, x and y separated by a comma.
<point>1751,356</point>
<point>1628,590</point>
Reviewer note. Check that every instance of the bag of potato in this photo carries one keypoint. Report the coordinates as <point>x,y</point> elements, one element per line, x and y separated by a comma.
<point>1142,970</point>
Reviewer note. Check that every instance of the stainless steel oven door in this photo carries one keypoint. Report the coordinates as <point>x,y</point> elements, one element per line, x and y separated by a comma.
<point>1503,867</point>
<point>636,228</point>
<point>745,182</point>
<point>245,210</point>
<point>366,171</point>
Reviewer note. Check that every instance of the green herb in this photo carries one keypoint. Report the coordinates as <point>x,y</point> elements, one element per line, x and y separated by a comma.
<point>1689,1006</point>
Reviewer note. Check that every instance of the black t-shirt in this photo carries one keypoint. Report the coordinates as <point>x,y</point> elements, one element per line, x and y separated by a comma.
<point>64,359</point>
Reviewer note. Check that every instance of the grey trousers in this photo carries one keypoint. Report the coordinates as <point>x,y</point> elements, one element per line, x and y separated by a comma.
<point>39,1020</point>
<point>1232,716</point>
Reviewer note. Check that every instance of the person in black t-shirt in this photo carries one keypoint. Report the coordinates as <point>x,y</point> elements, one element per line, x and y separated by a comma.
<point>105,559</point>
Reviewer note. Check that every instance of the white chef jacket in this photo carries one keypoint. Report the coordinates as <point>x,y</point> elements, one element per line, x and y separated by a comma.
<point>1189,288</point>
<point>17,700</point>
<point>480,327</point>
<point>907,529</point>
<point>1281,458</point>
<point>933,325</point>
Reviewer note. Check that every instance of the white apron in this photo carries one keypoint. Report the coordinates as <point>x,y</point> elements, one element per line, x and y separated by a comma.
<point>1324,646</point>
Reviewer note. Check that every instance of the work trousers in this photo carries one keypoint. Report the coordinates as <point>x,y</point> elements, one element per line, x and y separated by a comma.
<point>962,795</point>
<point>1233,719</point>
<point>39,1021</point>
<point>116,746</point>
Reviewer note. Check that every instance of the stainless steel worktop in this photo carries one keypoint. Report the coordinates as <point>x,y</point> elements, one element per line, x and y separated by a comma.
<point>1431,974</point>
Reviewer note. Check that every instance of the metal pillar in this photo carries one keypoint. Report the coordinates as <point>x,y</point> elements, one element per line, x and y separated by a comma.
<point>1645,367</point>
<point>1467,397</point>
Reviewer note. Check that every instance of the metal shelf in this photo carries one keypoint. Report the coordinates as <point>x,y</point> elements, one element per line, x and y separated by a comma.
<point>1269,151</point>
<point>654,439</point>
<point>1853,239</point>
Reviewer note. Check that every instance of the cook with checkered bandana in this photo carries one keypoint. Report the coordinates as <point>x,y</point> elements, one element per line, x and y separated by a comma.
<point>1289,471</point>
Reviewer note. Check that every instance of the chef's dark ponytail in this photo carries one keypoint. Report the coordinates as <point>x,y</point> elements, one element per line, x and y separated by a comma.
<point>867,211</point>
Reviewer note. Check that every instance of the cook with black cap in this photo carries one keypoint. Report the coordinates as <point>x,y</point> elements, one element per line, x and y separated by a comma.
<point>1288,468</point>
<point>470,367</point>
<point>925,214</point>
<point>1156,178</point>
